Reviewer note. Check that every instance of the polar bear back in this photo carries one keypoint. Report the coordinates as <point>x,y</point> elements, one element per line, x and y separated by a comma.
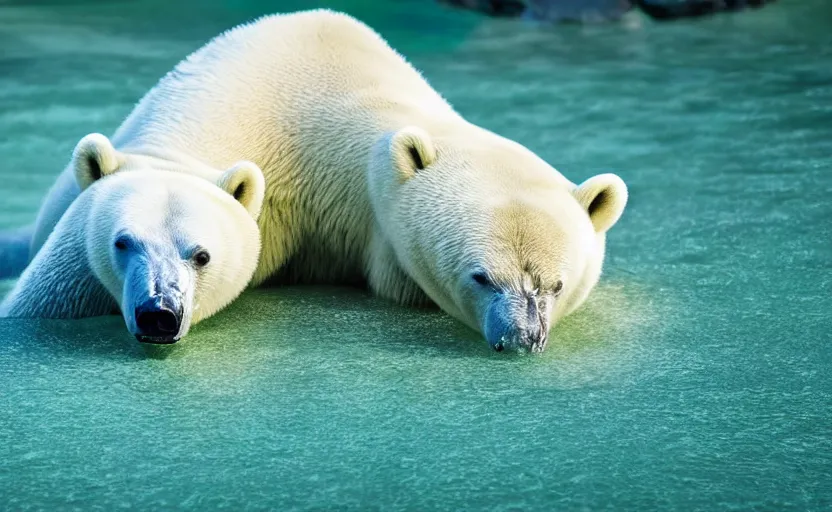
<point>305,96</point>
<point>252,90</point>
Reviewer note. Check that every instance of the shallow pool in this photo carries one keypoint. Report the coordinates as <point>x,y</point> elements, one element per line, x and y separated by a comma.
<point>697,377</point>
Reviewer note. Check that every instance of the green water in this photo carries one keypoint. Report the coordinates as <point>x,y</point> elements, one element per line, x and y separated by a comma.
<point>697,377</point>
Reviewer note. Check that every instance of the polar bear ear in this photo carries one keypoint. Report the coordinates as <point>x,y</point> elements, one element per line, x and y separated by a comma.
<point>411,150</point>
<point>604,198</point>
<point>93,158</point>
<point>244,180</point>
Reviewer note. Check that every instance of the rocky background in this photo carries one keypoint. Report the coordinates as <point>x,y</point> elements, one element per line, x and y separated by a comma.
<point>596,11</point>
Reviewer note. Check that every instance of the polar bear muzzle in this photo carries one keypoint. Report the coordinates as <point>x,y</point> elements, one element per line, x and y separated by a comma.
<point>517,321</point>
<point>159,320</point>
<point>157,297</point>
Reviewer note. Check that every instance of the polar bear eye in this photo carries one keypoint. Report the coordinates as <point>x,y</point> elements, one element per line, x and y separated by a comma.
<point>558,288</point>
<point>122,243</point>
<point>481,279</point>
<point>201,258</point>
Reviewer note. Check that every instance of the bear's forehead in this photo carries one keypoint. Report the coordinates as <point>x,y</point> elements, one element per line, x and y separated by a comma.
<point>526,222</point>
<point>197,213</point>
<point>535,241</point>
<point>155,211</point>
<point>503,158</point>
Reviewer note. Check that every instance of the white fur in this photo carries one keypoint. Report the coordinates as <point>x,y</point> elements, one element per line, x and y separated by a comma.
<point>318,100</point>
<point>77,273</point>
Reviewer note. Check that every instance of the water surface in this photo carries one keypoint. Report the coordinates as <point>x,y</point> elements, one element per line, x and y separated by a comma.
<point>697,377</point>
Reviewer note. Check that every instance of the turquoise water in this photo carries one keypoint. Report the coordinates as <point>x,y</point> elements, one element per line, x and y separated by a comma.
<point>697,377</point>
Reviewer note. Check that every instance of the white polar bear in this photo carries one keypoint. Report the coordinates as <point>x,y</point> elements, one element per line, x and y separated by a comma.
<point>372,177</point>
<point>166,249</point>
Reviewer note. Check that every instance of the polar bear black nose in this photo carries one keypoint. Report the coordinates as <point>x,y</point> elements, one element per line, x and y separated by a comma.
<point>157,323</point>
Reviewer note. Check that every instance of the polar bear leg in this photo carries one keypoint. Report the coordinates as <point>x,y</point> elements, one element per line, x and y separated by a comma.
<point>59,282</point>
<point>55,204</point>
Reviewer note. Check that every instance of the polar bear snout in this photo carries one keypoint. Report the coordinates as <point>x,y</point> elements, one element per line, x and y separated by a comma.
<point>159,321</point>
<point>517,322</point>
<point>158,288</point>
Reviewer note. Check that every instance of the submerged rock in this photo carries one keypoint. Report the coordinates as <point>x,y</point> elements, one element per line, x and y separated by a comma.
<point>595,11</point>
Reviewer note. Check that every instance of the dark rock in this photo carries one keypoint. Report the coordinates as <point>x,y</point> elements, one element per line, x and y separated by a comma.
<point>669,10</point>
<point>593,11</point>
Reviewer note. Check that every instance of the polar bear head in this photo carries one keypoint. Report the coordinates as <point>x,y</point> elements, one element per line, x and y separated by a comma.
<point>171,248</point>
<point>493,234</point>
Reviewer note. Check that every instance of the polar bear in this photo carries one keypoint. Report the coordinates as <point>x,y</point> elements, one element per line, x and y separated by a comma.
<point>373,178</point>
<point>166,249</point>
